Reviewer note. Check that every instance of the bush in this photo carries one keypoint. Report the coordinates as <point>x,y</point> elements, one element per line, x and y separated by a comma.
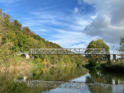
<point>92,64</point>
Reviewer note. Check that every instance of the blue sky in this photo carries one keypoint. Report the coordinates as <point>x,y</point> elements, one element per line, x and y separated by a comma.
<point>70,23</point>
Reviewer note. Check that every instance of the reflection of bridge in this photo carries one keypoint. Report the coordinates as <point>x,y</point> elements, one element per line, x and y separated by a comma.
<point>63,84</point>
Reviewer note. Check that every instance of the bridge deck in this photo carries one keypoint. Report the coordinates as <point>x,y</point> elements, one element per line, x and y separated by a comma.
<point>70,51</point>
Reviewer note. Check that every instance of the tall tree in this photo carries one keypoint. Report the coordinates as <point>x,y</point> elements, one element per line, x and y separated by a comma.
<point>97,46</point>
<point>122,44</point>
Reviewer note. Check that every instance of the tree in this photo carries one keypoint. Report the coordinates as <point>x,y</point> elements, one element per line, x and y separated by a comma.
<point>1,12</point>
<point>27,31</point>
<point>16,25</point>
<point>97,45</point>
<point>121,44</point>
<point>6,19</point>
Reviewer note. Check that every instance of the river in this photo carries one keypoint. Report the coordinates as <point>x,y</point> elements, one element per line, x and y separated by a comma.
<point>65,81</point>
<point>89,83</point>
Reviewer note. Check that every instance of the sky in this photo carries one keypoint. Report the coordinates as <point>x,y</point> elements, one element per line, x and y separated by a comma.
<point>70,23</point>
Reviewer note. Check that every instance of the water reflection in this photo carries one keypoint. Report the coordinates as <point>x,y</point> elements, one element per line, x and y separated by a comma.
<point>11,83</point>
<point>98,82</point>
<point>63,81</point>
<point>108,82</point>
<point>105,77</point>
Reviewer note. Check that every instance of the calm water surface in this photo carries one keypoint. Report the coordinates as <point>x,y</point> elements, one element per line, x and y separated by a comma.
<point>94,83</point>
<point>64,81</point>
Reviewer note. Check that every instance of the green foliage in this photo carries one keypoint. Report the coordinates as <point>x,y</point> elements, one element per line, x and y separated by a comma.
<point>93,59</point>
<point>121,44</point>
<point>117,67</point>
<point>98,44</point>
<point>92,65</point>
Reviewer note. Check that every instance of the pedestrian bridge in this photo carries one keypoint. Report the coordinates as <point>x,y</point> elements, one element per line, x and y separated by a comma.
<point>71,51</point>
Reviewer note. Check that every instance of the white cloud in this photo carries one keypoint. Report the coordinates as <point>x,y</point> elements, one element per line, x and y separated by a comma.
<point>93,17</point>
<point>61,28</point>
<point>109,22</point>
<point>76,10</point>
<point>72,39</point>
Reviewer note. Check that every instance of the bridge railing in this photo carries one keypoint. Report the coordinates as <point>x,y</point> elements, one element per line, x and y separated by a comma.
<point>50,51</point>
<point>70,51</point>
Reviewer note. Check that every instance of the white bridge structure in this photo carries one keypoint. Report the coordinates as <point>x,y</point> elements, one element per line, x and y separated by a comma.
<point>73,51</point>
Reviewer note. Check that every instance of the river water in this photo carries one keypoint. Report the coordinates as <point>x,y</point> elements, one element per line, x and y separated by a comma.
<point>89,83</point>
<point>65,81</point>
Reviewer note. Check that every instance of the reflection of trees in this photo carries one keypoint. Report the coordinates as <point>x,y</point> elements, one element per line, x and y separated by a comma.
<point>99,77</point>
<point>60,74</point>
<point>106,78</point>
<point>7,85</point>
<point>99,88</point>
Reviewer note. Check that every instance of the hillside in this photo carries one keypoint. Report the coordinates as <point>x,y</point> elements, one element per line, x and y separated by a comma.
<point>15,38</point>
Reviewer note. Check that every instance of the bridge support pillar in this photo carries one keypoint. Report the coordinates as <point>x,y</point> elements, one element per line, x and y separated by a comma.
<point>109,58</point>
<point>114,57</point>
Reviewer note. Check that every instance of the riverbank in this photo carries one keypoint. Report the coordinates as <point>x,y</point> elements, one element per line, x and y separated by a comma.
<point>19,66</point>
<point>117,67</point>
<point>113,67</point>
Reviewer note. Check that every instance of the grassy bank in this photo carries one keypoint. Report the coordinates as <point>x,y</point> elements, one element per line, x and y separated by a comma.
<point>21,66</point>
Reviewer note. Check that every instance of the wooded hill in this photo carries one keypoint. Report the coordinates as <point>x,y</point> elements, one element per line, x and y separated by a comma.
<point>15,38</point>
